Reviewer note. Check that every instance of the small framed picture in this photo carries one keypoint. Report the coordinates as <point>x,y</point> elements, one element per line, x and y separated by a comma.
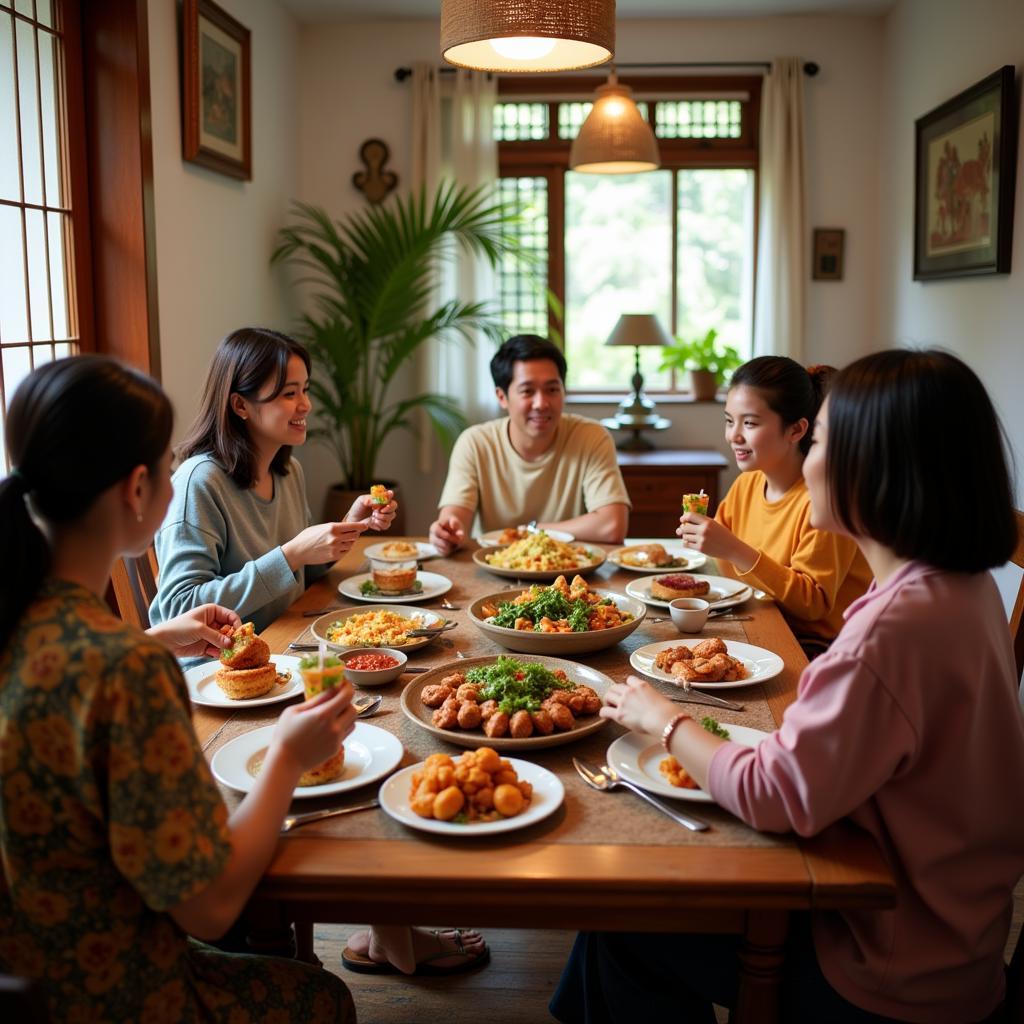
<point>217,128</point>
<point>966,158</point>
<point>828,254</point>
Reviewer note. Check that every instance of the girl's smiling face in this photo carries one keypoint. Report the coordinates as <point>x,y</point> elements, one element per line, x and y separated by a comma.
<point>755,433</point>
<point>279,420</point>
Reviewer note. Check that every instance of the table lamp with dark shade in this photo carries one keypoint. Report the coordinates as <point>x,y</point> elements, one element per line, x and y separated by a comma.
<point>637,412</point>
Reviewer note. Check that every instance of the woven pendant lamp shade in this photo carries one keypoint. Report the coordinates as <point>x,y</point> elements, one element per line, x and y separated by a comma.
<point>527,35</point>
<point>615,138</point>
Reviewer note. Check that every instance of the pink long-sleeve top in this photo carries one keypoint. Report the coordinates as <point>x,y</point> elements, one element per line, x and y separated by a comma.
<point>909,726</point>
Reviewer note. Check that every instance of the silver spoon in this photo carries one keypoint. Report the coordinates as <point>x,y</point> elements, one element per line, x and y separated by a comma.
<point>367,705</point>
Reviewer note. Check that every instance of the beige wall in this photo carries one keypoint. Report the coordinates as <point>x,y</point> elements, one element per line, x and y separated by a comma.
<point>347,94</point>
<point>981,318</point>
<point>214,234</point>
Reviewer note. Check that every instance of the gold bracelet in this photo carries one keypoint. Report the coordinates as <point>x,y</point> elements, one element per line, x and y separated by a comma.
<point>666,734</point>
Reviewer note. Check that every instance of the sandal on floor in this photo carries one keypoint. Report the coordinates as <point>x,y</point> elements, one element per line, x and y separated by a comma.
<point>362,964</point>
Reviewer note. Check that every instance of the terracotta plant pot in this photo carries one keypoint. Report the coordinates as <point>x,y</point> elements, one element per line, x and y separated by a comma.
<point>338,501</point>
<point>704,385</point>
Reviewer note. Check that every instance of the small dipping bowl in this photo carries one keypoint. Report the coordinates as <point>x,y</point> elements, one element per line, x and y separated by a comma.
<point>689,613</point>
<point>374,676</point>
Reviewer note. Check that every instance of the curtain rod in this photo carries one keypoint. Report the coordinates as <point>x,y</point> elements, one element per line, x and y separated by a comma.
<point>810,68</point>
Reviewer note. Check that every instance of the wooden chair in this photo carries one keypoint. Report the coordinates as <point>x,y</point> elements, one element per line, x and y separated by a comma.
<point>1017,617</point>
<point>133,587</point>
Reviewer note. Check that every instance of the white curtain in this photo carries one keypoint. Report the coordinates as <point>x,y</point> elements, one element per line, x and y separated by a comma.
<point>781,255</point>
<point>453,139</point>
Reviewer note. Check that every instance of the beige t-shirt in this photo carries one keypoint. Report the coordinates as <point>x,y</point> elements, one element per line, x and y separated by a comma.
<point>578,473</point>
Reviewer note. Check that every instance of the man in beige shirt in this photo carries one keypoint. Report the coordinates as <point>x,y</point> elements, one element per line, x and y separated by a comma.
<point>536,463</point>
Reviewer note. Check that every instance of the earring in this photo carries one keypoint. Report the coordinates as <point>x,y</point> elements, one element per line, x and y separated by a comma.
<point>138,518</point>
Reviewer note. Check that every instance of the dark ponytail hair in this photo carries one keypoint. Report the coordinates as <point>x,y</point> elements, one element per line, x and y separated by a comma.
<point>791,391</point>
<point>242,364</point>
<point>74,428</point>
<point>917,460</point>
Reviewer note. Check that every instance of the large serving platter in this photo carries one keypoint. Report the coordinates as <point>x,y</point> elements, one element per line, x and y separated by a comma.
<point>595,560</point>
<point>422,619</point>
<point>724,592</point>
<point>556,643</point>
<point>548,794</point>
<point>636,758</point>
<point>761,664</point>
<point>492,538</point>
<point>416,710</point>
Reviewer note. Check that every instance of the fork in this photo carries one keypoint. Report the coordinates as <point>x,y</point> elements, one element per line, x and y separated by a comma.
<point>604,778</point>
<point>701,697</point>
<point>432,631</point>
<point>295,820</point>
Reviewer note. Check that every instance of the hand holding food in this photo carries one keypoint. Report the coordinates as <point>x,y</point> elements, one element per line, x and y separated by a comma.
<point>712,538</point>
<point>200,632</point>
<point>376,509</point>
<point>325,542</point>
<point>312,733</point>
<point>246,670</point>
<point>696,503</point>
<point>478,786</point>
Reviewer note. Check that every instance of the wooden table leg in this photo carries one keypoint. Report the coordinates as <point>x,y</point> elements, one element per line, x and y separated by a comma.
<point>761,958</point>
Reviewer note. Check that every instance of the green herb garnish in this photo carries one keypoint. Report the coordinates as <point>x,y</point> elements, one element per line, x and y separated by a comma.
<point>516,685</point>
<point>713,727</point>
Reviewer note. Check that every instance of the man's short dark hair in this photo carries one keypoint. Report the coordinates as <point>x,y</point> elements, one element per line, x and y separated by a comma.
<point>522,348</point>
<point>917,460</point>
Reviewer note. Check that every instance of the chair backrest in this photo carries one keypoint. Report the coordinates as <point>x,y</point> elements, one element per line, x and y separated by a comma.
<point>133,587</point>
<point>1017,616</point>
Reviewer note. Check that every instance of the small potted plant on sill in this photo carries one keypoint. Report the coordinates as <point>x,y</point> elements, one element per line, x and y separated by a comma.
<point>372,307</point>
<point>708,361</point>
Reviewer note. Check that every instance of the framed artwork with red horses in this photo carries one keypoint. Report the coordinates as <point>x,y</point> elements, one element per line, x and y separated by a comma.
<point>965,169</point>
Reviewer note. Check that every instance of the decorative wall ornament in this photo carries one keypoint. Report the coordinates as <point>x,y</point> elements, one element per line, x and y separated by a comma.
<point>965,171</point>
<point>375,182</point>
<point>217,117</point>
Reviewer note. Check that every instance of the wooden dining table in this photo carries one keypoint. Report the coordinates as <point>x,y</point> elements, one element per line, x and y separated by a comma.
<point>603,860</point>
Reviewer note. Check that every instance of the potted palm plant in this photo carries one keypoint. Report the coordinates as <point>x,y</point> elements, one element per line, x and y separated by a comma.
<point>372,276</point>
<point>708,361</point>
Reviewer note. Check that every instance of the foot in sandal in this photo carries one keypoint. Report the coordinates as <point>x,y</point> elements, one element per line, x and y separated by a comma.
<point>423,951</point>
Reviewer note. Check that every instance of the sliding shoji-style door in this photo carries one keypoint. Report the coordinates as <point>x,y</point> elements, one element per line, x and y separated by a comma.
<point>45,294</point>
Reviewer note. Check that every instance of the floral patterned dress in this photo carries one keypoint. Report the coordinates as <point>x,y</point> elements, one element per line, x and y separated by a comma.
<point>108,818</point>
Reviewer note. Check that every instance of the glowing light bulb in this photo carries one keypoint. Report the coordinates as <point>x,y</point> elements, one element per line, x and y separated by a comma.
<point>523,47</point>
<point>614,108</point>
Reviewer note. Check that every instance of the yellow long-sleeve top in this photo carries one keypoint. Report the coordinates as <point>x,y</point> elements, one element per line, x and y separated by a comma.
<point>812,574</point>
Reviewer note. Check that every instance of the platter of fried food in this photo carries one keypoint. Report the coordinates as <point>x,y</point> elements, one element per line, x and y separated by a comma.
<point>562,618</point>
<point>513,533</point>
<point>465,796</point>
<point>508,702</point>
<point>656,557</point>
<point>539,556</point>
<point>641,760</point>
<point>713,663</point>
<point>377,626</point>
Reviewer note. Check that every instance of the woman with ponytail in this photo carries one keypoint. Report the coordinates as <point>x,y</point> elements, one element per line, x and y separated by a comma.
<point>763,525</point>
<point>115,844</point>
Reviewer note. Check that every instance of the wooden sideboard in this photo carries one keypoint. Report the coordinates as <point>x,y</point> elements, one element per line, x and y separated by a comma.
<point>657,479</point>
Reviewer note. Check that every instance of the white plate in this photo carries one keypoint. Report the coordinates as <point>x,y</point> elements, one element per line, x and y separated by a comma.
<point>548,794</point>
<point>761,664</point>
<point>370,753</point>
<point>694,559</point>
<point>492,538</point>
<point>423,552</point>
<point>426,619</point>
<point>724,592</point>
<point>636,757</point>
<point>434,585</point>
<point>203,689</point>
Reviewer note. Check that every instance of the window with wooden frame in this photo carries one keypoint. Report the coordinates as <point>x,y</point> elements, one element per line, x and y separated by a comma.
<point>678,242</point>
<point>44,234</point>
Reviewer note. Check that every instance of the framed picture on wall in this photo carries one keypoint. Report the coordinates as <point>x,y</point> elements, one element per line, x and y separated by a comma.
<point>966,158</point>
<point>216,114</point>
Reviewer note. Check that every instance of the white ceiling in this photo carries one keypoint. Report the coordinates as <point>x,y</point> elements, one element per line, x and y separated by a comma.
<point>332,10</point>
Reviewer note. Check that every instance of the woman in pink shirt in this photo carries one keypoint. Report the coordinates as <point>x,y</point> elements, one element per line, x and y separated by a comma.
<point>909,726</point>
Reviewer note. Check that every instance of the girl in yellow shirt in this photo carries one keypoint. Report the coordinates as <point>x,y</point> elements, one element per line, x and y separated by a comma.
<point>763,525</point>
